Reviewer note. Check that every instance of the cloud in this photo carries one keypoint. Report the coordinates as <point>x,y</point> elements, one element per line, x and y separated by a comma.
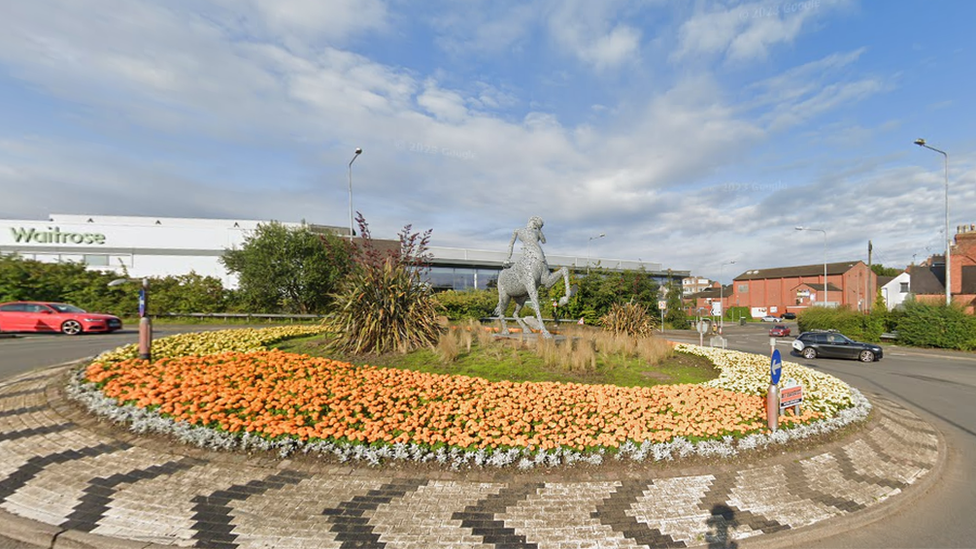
<point>746,32</point>
<point>591,32</point>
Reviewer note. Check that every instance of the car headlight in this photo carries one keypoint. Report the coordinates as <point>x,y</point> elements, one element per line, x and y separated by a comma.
<point>93,320</point>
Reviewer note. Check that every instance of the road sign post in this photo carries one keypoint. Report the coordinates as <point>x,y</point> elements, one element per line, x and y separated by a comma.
<point>772,395</point>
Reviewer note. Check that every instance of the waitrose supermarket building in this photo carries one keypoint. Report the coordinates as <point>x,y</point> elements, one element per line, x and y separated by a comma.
<point>162,246</point>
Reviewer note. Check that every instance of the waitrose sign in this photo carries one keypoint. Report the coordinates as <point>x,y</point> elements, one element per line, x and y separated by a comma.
<point>53,235</point>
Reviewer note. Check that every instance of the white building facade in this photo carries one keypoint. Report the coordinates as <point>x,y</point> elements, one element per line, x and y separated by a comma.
<point>164,246</point>
<point>897,290</point>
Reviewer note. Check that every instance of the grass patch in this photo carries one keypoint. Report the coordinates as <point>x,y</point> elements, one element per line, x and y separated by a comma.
<point>584,356</point>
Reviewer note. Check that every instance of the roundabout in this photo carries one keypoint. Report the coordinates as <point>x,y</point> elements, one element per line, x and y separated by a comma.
<point>68,475</point>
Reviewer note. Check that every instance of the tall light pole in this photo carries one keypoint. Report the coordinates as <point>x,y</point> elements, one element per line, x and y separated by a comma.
<point>721,295</point>
<point>948,242</point>
<point>145,323</point>
<point>354,157</point>
<point>592,238</point>
<point>825,259</point>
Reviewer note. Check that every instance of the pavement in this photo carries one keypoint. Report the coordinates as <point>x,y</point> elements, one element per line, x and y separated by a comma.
<point>70,480</point>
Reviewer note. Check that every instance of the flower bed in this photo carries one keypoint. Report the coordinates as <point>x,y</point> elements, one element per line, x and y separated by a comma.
<point>253,397</point>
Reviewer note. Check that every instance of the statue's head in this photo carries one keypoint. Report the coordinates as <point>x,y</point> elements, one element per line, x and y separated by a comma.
<point>535,222</point>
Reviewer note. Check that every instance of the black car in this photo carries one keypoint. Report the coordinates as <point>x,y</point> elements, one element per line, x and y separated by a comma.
<point>789,316</point>
<point>835,345</point>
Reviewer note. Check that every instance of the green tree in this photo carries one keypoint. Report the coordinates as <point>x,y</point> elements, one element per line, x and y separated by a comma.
<point>881,270</point>
<point>600,289</point>
<point>675,312</point>
<point>289,269</point>
<point>188,293</point>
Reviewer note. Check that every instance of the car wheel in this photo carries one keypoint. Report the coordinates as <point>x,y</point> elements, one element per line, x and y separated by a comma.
<point>71,327</point>
<point>866,356</point>
<point>809,353</point>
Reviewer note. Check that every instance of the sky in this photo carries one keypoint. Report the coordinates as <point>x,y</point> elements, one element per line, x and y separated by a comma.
<point>693,134</point>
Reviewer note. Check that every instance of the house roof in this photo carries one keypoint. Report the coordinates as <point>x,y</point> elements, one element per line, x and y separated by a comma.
<point>831,287</point>
<point>795,272</point>
<point>882,280</point>
<point>713,293</point>
<point>926,280</point>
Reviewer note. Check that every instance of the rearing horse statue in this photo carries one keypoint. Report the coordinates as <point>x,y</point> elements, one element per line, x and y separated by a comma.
<point>521,281</point>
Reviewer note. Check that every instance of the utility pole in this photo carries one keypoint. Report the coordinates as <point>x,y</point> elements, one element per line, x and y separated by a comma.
<point>868,298</point>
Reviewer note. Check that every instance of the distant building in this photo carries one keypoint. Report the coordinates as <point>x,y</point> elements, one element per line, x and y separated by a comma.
<point>792,289</point>
<point>895,290</point>
<point>928,279</point>
<point>163,246</point>
<point>694,284</point>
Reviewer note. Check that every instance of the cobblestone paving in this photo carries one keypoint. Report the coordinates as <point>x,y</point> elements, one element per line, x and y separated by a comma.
<point>64,469</point>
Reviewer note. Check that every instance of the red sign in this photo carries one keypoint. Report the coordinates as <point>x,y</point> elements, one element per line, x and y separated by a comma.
<point>790,396</point>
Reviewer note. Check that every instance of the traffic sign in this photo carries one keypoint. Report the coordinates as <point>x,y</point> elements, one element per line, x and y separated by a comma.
<point>775,367</point>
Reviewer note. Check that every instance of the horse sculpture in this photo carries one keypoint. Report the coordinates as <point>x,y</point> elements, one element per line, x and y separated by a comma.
<point>521,281</point>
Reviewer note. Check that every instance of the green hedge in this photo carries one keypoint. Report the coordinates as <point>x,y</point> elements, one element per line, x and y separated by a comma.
<point>936,325</point>
<point>467,304</point>
<point>853,324</point>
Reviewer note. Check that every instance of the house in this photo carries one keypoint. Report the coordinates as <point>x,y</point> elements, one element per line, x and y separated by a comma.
<point>792,289</point>
<point>895,289</point>
<point>707,301</point>
<point>928,279</point>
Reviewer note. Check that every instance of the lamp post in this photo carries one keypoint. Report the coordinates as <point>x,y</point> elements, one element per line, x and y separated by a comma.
<point>592,238</point>
<point>825,259</point>
<point>145,323</point>
<point>948,239</point>
<point>354,157</point>
<point>721,295</point>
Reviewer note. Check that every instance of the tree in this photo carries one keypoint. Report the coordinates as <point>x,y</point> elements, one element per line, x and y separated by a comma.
<point>600,289</point>
<point>675,314</point>
<point>881,270</point>
<point>188,293</point>
<point>289,269</point>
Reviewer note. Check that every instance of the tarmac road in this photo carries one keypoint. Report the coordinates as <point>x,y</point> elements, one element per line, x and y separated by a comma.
<point>938,385</point>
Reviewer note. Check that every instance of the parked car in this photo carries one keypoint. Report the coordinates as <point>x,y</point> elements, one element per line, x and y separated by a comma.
<point>779,331</point>
<point>835,345</point>
<point>41,316</point>
<point>789,316</point>
<point>771,319</point>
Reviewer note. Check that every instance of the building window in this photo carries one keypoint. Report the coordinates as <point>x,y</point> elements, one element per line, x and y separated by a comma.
<point>96,260</point>
<point>904,287</point>
<point>743,288</point>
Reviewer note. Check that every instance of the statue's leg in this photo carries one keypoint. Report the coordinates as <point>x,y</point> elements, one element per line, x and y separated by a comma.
<point>503,299</point>
<point>519,303</point>
<point>534,298</point>
<point>550,280</point>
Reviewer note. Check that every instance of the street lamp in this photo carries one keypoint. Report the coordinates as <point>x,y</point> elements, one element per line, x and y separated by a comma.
<point>592,238</point>
<point>145,323</point>
<point>948,261</point>
<point>825,259</point>
<point>354,157</point>
<point>721,295</point>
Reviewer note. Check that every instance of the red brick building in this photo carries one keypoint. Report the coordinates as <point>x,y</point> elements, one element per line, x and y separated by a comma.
<point>793,289</point>
<point>928,279</point>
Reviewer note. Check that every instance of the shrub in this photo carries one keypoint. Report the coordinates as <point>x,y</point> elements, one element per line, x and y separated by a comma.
<point>384,305</point>
<point>853,324</point>
<point>473,304</point>
<point>628,318</point>
<point>735,313</point>
<point>936,325</point>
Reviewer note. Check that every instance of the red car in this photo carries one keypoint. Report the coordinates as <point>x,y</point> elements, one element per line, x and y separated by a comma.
<point>779,331</point>
<point>40,316</point>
